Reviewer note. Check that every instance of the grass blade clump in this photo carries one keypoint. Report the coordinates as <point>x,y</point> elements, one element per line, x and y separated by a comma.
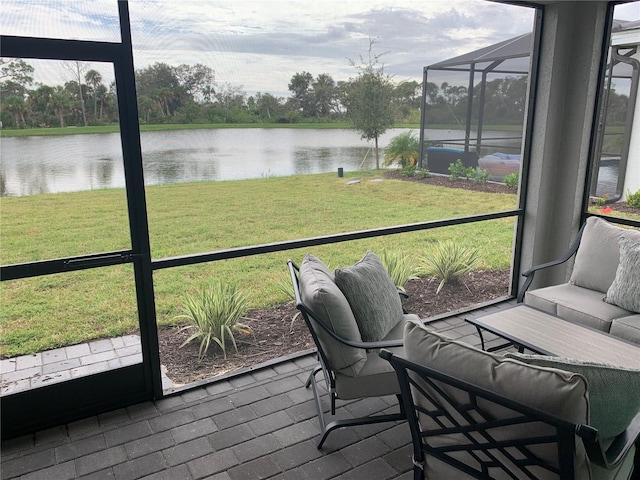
<point>214,316</point>
<point>284,286</point>
<point>449,261</point>
<point>400,266</point>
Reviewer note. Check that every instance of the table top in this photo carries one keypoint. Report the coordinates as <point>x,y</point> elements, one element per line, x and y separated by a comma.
<point>544,333</point>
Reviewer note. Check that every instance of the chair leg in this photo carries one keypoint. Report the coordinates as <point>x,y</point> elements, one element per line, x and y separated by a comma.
<point>418,467</point>
<point>327,428</point>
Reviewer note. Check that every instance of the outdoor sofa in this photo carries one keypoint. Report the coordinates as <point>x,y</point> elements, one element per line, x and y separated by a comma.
<point>603,291</point>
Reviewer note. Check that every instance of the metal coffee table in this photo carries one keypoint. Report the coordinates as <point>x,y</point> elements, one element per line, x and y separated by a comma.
<point>542,333</point>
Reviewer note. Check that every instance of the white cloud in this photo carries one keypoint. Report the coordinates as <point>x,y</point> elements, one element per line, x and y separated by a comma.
<point>260,44</point>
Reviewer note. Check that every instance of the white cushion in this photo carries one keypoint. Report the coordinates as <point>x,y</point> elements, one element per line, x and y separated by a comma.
<point>627,328</point>
<point>578,304</point>
<point>625,289</point>
<point>598,256</point>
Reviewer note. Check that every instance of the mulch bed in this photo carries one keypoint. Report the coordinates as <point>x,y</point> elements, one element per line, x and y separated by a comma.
<point>275,335</point>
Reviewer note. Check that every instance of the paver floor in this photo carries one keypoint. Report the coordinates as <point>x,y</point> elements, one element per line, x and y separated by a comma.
<point>259,425</point>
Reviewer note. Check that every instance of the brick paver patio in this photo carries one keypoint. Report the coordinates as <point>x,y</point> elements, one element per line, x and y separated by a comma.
<point>259,425</point>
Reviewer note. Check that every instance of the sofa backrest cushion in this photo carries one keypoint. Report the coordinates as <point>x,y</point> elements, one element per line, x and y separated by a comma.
<point>372,295</point>
<point>598,256</point>
<point>323,298</point>
<point>559,393</point>
<point>614,392</point>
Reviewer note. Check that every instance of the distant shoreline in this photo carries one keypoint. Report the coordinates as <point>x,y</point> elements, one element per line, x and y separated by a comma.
<point>31,132</point>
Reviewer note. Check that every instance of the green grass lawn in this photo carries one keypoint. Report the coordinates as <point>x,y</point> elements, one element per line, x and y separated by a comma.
<point>63,309</point>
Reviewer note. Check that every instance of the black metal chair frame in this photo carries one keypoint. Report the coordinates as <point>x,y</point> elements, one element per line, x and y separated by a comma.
<point>481,443</point>
<point>325,366</point>
<point>530,273</point>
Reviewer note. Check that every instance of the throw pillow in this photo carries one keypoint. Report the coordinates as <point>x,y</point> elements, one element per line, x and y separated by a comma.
<point>614,392</point>
<point>323,298</point>
<point>625,289</point>
<point>598,256</point>
<point>373,297</point>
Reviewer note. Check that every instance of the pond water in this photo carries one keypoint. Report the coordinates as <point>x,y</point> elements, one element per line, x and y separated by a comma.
<point>34,165</point>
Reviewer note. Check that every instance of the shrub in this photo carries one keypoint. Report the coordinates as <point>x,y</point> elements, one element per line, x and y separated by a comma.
<point>414,171</point>
<point>633,199</point>
<point>409,171</point>
<point>401,267</point>
<point>478,175</point>
<point>449,261</point>
<point>403,149</point>
<point>457,170</point>
<point>601,201</point>
<point>512,180</point>
<point>422,172</point>
<point>214,316</point>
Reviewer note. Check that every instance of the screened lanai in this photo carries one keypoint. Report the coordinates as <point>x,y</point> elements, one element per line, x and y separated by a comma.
<point>445,101</point>
<point>497,75</point>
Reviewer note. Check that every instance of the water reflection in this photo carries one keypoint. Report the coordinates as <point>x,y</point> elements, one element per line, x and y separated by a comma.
<point>32,165</point>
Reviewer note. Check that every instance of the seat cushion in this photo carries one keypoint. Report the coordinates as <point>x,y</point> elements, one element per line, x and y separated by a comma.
<point>598,256</point>
<point>321,296</point>
<point>627,328</point>
<point>576,304</point>
<point>560,393</point>
<point>372,295</point>
<point>377,377</point>
<point>625,289</point>
<point>614,392</point>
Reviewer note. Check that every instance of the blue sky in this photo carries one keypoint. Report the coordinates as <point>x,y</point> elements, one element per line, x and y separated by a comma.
<point>260,44</point>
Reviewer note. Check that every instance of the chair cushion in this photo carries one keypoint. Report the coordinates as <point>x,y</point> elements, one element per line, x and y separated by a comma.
<point>625,289</point>
<point>560,393</point>
<point>372,295</point>
<point>598,255</point>
<point>614,392</point>
<point>627,328</point>
<point>563,394</point>
<point>577,304</point>
<point>324,299</point>
<point>377,377</point>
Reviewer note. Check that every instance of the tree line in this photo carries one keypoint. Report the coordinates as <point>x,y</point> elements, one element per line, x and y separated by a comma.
<point>176,94</point>
<point>190,94</point>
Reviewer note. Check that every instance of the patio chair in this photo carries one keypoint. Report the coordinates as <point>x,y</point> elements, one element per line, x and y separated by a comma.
<point>473,414</point>
<point>351,366</point>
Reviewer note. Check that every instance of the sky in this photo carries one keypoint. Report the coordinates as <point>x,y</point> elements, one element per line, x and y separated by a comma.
<point>260,44</point>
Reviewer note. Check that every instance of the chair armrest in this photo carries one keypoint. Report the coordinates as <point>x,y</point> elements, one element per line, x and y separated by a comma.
<point>618,450</point>
<point>530,273</point>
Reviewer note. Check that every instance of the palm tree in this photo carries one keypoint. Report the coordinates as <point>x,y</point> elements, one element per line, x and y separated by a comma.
<point>404,149</point>
<point>94,80</point>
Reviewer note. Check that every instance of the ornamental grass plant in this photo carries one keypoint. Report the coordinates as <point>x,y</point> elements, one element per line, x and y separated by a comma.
<point>401,267</point>
<point>214,316</point>
<point>449,261</point>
